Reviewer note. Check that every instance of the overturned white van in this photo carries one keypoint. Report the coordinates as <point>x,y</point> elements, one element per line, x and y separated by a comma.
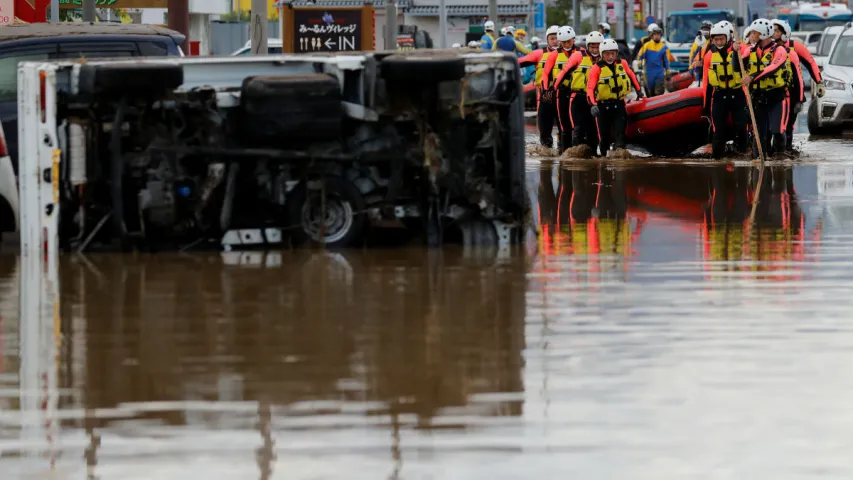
<point>235,152</point>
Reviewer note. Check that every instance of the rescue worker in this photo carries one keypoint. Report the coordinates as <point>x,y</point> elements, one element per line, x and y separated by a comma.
<point>610,81</point>
<point>724,94</point>
<point>697,51</point>
<point>769,76</point>
<point>656,57</point>
<point>520,35</point>
<point>799,54</point>
<point>534,43</point>
<point>488,38</point>
<point>508,43</point>
<point>604,29</point>
<point>584,130</point>
<point>553,67</point>
<point>642,41</point>
<point>546,107</point>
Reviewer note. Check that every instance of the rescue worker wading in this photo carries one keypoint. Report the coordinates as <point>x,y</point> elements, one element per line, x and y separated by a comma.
<point>656,56</point>
<point>508,43</point>
<point>546,107</point>
<point>610,81</point>
<point>553,67</point>
<point>799,54</point>
<point>576,71</point>
<point>769,76</point>
<point>700,46</point>
<point>488,38</point>
<point>724,92</point>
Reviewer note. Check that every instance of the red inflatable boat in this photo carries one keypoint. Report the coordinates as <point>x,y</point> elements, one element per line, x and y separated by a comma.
<point>668,125</point>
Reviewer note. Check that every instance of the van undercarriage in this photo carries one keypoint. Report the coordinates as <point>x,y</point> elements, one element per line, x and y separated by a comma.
<point>169,154</point>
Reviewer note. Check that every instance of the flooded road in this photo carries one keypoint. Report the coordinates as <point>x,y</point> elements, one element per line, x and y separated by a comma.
<point>647,333</point>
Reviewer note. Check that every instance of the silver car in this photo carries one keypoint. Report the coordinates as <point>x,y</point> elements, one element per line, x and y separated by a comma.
<point>834,111</point>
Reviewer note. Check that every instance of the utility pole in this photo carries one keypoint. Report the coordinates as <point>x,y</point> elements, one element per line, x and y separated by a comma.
<point>178,18</point>
<point>390,24</point>
<point>258,28</point>
<point>89,10</point>
<point>576,16</point>
<point>493,14</point>
<point>442,23</point>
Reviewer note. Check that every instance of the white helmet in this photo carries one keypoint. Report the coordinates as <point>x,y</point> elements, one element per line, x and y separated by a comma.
<point>473,44</point>
<point>510,30</point>
<point>746,32</point>
<point>489,26</point>
<point>503,31</point>
<point>565,33</point>
<point>721,28</point>
<point>786,28</point>
<point>652,28</point>
<point>609,45</point>
<point>456,45</point>
<point>594,37</point>
<point>535,40</point>
<point>605,26</point>
<point>552,30</point>
<point>763,27</point>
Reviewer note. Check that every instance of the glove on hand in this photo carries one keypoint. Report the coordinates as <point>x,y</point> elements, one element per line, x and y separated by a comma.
<point>594,111</point>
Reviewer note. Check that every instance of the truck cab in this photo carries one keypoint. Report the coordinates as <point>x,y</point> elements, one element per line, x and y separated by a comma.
<point>683,25</point>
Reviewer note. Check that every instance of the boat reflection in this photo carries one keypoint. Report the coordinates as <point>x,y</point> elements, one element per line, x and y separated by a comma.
<point>599,213</point>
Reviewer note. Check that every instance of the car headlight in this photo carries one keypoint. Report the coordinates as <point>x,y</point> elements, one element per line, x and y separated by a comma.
<point>833,84</point>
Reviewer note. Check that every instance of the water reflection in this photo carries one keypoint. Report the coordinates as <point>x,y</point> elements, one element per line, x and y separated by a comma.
<point>601,209</point>
<point>167,346</point>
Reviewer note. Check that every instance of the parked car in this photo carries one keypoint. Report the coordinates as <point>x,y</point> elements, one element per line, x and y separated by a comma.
<point>273,47</point>
<point>821,53</point>
<point>834,111</point>
<point>46,41</point>
<point>810,39</point>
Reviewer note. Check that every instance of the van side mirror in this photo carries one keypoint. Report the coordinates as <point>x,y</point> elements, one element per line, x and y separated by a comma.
<point>739,21</point>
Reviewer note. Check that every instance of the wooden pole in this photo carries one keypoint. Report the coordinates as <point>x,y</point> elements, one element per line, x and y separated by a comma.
<point>749,104</point>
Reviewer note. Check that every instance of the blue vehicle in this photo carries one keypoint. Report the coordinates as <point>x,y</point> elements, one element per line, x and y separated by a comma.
<point>683,25</point>
<point>814,17</point>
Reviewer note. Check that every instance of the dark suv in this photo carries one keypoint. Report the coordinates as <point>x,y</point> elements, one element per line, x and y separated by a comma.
<point>46,41</point>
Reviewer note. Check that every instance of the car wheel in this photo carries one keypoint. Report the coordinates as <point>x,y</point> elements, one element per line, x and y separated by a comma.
<point>342,224</point>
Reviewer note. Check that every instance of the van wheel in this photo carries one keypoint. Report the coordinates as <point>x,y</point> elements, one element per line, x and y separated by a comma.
<point>342,224</point>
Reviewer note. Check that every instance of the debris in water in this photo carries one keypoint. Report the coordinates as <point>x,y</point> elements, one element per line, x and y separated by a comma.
<point>542,151</point>
<point>578,151</point>
<point>619,153</point>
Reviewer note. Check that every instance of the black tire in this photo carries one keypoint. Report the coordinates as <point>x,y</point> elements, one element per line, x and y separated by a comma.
<point>345,205</point>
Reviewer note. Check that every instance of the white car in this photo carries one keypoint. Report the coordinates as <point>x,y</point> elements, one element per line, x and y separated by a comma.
<point>8,191</point>
<point>274,46</point>
<point>821,52</point>
<point>834,111</point>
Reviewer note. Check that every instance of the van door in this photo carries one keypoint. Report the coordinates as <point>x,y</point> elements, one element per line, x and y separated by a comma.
<point>9,59</point>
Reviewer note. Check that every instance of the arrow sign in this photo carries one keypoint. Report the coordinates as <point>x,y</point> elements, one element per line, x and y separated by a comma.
<point>329,43</point>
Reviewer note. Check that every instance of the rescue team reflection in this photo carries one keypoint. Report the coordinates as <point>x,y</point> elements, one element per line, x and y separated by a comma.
<point>600,212</point>
<point>146,337</point>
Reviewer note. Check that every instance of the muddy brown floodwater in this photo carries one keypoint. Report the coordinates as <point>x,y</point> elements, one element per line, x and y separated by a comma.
<point>648,333</point>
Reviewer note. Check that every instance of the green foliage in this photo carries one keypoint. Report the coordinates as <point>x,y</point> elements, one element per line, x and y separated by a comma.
<point>561,14</point>
<point>69,15</point>
<point>246,16</point>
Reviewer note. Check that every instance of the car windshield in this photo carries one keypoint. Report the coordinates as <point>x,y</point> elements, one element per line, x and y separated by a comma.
<point>842,54</point>
<point>683,28</point>
<point>827,44</point>
<point>817,25</point>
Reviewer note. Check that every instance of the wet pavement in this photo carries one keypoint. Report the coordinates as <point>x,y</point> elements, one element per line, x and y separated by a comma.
<point>649,332</point>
